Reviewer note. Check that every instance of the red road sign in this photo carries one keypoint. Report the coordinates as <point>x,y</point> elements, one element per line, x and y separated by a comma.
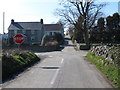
<point>18,39</point>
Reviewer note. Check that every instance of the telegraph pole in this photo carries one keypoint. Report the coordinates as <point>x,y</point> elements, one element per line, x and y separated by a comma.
<point>3,22</point>
<point>119,7</point>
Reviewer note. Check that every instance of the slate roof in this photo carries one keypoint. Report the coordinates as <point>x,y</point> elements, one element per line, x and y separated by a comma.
<point>25,25</point>
<point>52,27</point>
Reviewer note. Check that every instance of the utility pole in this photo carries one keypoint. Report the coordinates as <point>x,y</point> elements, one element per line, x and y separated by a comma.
<point>3,22</point>
<point>119,7</point>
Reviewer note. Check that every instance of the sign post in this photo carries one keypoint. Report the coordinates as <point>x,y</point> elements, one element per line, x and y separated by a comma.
<point>18,39</point>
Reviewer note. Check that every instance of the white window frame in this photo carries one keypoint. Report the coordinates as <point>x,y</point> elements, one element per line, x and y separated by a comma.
<point>46,33</point>
<point>50,33</point>
<point>32,38</point>
<point>24,31</point>
<point>15,32</point>
<point>53,33</point>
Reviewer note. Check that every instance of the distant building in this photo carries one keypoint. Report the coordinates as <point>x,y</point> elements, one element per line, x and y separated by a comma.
<point>119,7</point>
<point>4,38</point>
<point>51,29</point>
<point>33,31</point>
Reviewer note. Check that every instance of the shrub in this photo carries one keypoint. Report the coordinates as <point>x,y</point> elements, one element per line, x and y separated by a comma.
<point>51,40</point>
<point>59,38</point>
<point>51,43</point>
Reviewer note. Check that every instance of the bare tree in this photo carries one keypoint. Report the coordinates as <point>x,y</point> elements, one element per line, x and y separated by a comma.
<point>82,14</point>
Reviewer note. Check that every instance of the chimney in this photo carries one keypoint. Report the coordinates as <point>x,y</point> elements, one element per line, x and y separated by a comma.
<point>12,21</point>
<point>41,21</point>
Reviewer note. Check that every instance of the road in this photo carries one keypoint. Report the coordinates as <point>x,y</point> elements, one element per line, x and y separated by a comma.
<point>61,69</point>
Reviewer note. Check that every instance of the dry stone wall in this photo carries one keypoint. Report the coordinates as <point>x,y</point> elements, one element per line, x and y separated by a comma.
<point>111,53</point>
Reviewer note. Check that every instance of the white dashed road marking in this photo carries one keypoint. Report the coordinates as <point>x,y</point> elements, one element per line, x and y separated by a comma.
<point>56,73</point>
<point>50,56</point>
<point>62,60</point>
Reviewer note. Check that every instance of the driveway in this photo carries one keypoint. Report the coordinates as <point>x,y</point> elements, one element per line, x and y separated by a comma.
<point>61,69</point>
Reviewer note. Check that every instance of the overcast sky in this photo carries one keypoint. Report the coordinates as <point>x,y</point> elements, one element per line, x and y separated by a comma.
<point>34,10</point>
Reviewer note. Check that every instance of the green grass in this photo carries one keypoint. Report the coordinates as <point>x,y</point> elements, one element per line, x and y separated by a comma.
<point>98,43</point>
<point>110,70</point>
<point>17,62</point>
<point>91,44</point>
<point>82,43</point>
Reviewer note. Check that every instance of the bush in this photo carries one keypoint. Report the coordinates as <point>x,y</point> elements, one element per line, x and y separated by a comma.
<point>59,38</point>
<point>14,62</point>
<point>53,43</point>
<point>52,40</point>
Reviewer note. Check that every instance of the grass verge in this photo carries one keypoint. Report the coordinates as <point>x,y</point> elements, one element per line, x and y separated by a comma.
<point>110,70</point>
<point>13,63</point>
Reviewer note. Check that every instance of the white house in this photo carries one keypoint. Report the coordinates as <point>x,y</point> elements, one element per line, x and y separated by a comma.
<point>33,31</point>
<point>51,29</point>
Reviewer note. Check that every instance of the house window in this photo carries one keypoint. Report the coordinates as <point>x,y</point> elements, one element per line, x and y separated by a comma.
<point>15,32</point>
<point>46,33</point>
<point>54,33</point>
<point>32,38</point>
<point>51,33</point>
<point>24,32</point>
<point>32,32</point>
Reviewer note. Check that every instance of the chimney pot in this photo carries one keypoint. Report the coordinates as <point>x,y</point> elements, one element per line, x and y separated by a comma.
<point>12,21</point>
<point>41,21</point>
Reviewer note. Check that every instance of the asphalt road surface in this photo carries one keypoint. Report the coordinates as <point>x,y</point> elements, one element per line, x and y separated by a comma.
<point>61,69</point>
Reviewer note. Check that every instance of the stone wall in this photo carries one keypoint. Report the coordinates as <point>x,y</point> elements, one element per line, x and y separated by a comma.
<point>34,48</point>
<point>111,53</point>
